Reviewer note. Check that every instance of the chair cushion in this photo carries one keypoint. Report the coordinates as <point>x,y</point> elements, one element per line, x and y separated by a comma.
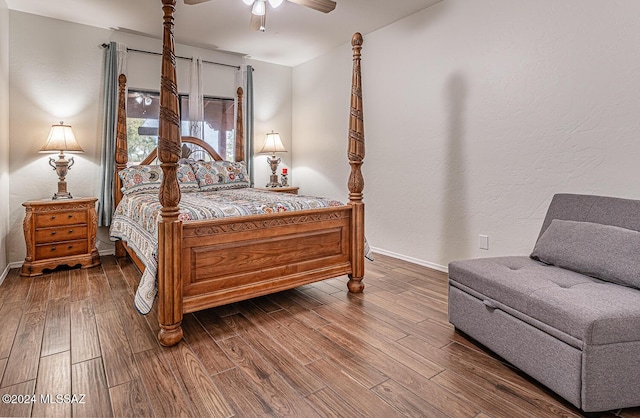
<point>607,252</point>
<point>592,310</point>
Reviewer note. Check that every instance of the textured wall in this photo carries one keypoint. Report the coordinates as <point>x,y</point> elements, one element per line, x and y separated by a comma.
<point>476,113</point>
<point>272,93</point>
<point>4,133</point>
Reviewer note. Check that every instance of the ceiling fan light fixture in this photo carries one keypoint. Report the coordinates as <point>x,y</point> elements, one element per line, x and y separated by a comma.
<point>248,2</point>
<point>275,3</point>
<point>259,8</point>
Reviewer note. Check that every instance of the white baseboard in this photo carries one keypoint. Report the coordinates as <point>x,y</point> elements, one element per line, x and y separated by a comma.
<point>417,261</point>
<point>4,274</point>
<point>10,266</point>
<point>108,251</point>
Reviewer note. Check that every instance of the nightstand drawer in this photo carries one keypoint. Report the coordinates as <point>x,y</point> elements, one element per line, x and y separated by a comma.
<point>61,233</point>
<point>61,249</point>
<point>61,218</point>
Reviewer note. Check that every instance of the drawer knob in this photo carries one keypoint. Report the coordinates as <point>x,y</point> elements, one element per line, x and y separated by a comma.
<point>53,216</point>
<point>53,248</point>
<point>71,231</point>
<point>53,232</point>
<point>70,216</point>
<point>70,246</point>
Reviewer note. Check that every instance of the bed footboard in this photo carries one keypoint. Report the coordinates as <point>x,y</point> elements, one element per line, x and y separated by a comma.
<point>229,260</point>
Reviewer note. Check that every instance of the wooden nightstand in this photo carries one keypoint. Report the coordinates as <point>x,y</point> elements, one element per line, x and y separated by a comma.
<point>59,232</point>
<point>291,190</point>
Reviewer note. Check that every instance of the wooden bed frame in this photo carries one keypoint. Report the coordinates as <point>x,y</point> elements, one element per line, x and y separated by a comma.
<point>202,264</point>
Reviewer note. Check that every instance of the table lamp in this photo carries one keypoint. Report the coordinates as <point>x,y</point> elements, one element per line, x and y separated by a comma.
<point>273,144</point>
<point>61,139</point>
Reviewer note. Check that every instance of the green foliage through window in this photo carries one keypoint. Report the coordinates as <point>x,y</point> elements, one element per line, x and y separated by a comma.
<point>139,146</point>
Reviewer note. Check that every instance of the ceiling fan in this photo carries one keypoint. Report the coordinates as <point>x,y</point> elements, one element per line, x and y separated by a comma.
<point>259,8</point>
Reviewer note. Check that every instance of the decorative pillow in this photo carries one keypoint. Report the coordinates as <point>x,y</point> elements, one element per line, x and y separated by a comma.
<point>217,175</point>
<point>606,252</point>
<point>148,178</point>
<point>187,179</point>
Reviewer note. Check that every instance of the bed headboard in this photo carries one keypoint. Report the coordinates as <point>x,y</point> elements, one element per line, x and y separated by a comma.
<point>192,148</point>
<point>189,145</point>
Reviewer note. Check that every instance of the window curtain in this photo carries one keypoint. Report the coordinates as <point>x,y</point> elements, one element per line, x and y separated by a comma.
<point>115,63</point>
<point>244,79</point>
<point>196,99</point>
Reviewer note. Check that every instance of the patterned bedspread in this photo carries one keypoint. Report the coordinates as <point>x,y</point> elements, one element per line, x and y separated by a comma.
<point>136,222</point>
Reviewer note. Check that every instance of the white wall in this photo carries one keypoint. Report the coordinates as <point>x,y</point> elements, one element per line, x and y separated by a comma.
<point>55,75</point>
<point>321,93</point>
<point>55,70</point>
<point>4,134</point>
<point>476,113</point>
<point>273,95</point>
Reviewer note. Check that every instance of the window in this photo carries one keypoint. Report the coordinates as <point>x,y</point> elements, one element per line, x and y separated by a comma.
<point>143,110</point>
<point>219,124</point>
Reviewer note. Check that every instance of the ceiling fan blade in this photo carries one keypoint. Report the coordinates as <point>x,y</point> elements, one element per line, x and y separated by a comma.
<point>324,6</point>
<point>194,1</point>
<point>258,23</point>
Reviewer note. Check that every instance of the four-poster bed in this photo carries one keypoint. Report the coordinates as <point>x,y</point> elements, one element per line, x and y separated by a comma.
<point>207,263</point>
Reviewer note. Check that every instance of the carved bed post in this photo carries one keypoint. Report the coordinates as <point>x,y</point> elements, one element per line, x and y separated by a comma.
<point>169,227</point>
<point>239,151</point>
<point>121,154</point>
<point>356,181</point>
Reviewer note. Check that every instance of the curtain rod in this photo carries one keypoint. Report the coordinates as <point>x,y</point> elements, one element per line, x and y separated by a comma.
<point>177,56</point>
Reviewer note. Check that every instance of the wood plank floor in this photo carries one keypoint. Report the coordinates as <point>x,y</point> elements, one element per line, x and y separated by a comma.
<point>312,351</point>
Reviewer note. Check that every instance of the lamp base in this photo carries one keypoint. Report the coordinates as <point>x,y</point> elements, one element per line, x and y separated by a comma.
<point>273,181</point>
<point>61,167</point>
<point>66,195</point>
<point>273,162</point>
<point>62,191</point>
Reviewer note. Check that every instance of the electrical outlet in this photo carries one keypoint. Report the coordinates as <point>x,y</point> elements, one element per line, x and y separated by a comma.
<point>483,242</point>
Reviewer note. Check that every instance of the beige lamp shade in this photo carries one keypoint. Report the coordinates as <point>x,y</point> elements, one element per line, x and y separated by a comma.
<point>272,144</point>
<point>61,138</point>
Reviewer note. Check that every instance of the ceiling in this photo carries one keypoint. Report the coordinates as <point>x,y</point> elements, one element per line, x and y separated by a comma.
<point>295,34</point>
